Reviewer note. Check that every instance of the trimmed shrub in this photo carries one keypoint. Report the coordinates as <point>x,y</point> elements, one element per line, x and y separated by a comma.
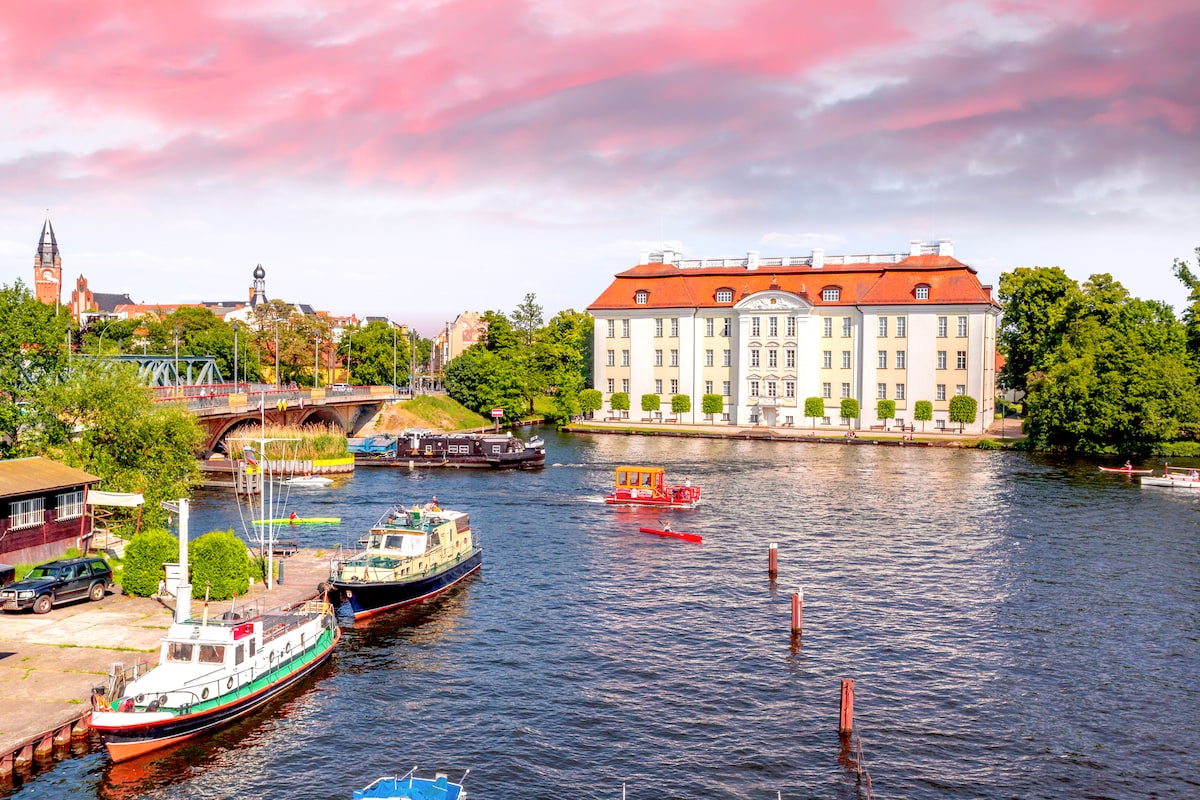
<point>814,407</point>
<point>144,558</point>
<point>651,402</point>
<point>886,409</point>
<point>590,400</point>
<point>681,404</point>
<point>620,401</point>
<point>221,564</point>
<point>712,404</point>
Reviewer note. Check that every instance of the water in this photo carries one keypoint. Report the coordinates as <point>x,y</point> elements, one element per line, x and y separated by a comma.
<point>1016,627</point>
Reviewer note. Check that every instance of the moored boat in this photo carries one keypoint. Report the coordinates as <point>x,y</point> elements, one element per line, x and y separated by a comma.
<point>409,555</point>
<point>666,531</point>
<point>213,670</point>
<point>413,786</point>
<point>420,447</point>
<point>307,480</point>
<point>1177,479</point>
<point>647,486</point>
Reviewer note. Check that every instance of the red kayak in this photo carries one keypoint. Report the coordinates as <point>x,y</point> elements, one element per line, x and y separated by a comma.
<point>687,537</point>
<point>1127,470</point>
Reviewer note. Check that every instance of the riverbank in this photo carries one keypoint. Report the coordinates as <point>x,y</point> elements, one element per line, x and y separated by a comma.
<point>49,663</point>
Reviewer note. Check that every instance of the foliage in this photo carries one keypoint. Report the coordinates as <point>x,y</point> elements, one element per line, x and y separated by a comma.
<point>651,402</point>
<point>145,555</point>
<point>303,442</point>
<point>963,410</point>
<point>886,409</point>
<point>33,346</point>
<point>429,411</point>
<point>481,380</point>
<point>850,409</point>
<point>1191,315</point>
<point>107,335</point>
<point>560,361</point>
<point>591,400</point>
<point>102,419</point>
<point>814,407</point>
<point>712,404</point>
<point>620,401</point>
<point>1038,304</point>
<point>202,333</point>
<point>989,444</point>
<point>923,412</point>
<point>681,404</point>
<point>378,355</point>
<point>220,564</point>
<point>527,319</point>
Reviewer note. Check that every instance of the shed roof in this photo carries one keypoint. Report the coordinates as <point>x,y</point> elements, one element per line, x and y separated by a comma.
<point>22,476</point>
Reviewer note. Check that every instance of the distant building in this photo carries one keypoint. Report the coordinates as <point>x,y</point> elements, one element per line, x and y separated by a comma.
<point>47,268</point>
<point>764,334</point>
<point>43,503</point>
<point>86,304</point>
<point>467,329</point>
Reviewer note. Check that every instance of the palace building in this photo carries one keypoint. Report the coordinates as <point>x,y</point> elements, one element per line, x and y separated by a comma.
<point>765,334</point>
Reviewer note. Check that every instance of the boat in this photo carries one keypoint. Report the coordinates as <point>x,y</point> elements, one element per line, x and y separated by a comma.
<point>666,531</point>
<point>413,786</point>
<point>1179,479</point>
<point>1127,470</point>
<point>409,555</point>
<point>307,480</point>
<point>213,670</point>
<point>421,447</point>
<point>300,521</point>
<point>647,486</point>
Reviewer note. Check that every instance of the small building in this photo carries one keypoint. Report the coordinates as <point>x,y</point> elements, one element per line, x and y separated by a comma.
<point>43,503</point>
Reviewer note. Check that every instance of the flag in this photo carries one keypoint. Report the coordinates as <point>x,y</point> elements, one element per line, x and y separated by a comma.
<point>248,454</point>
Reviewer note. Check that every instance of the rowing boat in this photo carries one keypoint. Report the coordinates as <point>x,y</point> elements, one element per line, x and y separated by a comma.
<point>687,537</point>
<point>1127,470</point>
<point>300,521</point>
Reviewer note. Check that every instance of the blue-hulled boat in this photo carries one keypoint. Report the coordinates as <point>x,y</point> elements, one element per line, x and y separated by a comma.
<point>414,787</point>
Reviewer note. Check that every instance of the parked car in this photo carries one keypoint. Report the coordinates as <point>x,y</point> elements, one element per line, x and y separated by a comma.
<point>56,582</point>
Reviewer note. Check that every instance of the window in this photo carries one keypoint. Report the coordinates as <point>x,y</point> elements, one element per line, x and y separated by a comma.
<point>658,386</point>
<point>940,424</point>
<point>675,326</point>
<point>960,359</point>
<point>845,326</point>
<point>772,389</point>
<point>611,387</point>
<point>882,364</point>
<point>212,654</point>
<point>624,358</point>
<point>754,388</point>
<point>69,505</point>
<point>674,386</point>
<point>724,295</point>
<point>881,391</point>
<point>179,651</point>
<point>239,654</point>
<point>625,385</point>
<point>962,327</point>
<point>883,326</point>
<point>708,358</point>
<point>658,328</point>
<point>772,326</point>
<point>708,327</point>
<point>900,362</point>
<point>725,388</point>
<point>754,358</point>
<point>827,359</point>
<point>960,390</point>
<point>789,388</point>
<point>824,420</point>
<point>845,390</point>
<point>901,327</point>
<point>845,359</point>
<point>612,328</point>
<point>899,391</point>
<point>756,326</point>
<point>624,329</point>
<point>772,358</point>
<point>831,295</point>
<point>708,387</point>
<point>612,358</point>
<point>942,327</point>
<point>791,326</point>
<point>727,327</point>
<point>789,358</point>
<point>922,292</point>
<point>941,359</point>
<point>640,298</point>
<point>826,390</point>
<point>28,513</point>
<point>674,358</point>
<point>658,358</point>
<point>940,392</point>
<point>827,327</point>
<point>726,358</point>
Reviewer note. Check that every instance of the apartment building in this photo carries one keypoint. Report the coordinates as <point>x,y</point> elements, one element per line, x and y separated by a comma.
<point>767,333</point>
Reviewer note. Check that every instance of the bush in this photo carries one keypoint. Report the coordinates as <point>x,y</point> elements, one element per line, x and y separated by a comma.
<point>712,404</point>
<point>221,564</point>
<point>651,402</point>
<point>144,558</point>
<point>590,400</point>
<point>681,404</point>
<point>620,401</point>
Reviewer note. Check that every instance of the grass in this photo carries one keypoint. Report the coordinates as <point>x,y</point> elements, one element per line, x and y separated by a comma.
<point>312,442</point>
<point>437,412</point>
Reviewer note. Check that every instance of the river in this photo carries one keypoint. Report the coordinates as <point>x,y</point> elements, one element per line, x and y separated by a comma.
<point>1016,626</point>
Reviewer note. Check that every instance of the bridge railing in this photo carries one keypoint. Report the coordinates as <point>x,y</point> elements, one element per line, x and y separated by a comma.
<point>229,396</point>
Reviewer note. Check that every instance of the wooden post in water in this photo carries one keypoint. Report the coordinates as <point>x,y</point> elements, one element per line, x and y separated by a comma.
<point>797,612</point>
<point>846,718</point>
<point>773,561</point>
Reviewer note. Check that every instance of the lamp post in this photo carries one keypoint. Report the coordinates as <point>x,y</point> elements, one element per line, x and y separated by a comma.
<point>277,355</point>
<point>393,357</point>
<point>177,362</point>
<point>317,361</point>
<point>235,357</point>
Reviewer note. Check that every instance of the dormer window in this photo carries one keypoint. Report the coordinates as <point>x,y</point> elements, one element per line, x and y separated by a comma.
<point>831,295</point>
<point>922,292</point>
<point>724,295</point>
<point>640,297</point>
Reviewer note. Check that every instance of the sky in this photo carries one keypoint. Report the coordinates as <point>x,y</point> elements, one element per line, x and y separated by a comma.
<point>419,158</point>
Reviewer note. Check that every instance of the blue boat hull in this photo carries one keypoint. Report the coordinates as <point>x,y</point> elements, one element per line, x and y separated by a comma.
<point>365,598</point>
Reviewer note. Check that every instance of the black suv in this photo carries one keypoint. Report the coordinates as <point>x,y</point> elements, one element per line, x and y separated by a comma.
<point>57,582</point>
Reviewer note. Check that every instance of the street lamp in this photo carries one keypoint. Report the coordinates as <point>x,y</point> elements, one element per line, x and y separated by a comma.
<point>235,357</point>
<point>277,355</point>
<point>393,358</point>
<point>317,361</point>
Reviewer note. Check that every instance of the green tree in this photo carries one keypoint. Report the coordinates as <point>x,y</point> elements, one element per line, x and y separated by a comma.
<point>109,335</point>
<point>885,410</point>
<point>145,555</point>
<point>1037,305</point>
<point>619,401</point>
<point>712,404</point>
<point>923,412</point>
<point>651,402</point>
<point>33,349</point>
<point>527,319</point>
<point>482,380</point>
<point>963,410</point>
<point>220,565</point>
<point>681,404</point>
<point>561,362</point>
<point>1191,314</point>
<point>591,401</point>
<point>850,411</point>
<point>380,353</point>
<point>814,407</point>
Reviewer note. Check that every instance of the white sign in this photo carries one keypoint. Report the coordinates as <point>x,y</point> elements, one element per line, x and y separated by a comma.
<point>497,413</point>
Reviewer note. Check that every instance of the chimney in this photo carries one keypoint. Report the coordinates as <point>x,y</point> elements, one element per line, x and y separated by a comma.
<point>945,247</point>
<point>914,247</point>
<point>818,258</point>
<point>752,259</point>
<point>644,258</point>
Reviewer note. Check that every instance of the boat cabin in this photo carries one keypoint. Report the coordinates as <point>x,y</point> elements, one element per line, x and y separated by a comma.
<point>641,481</point>
<point>408,542</point>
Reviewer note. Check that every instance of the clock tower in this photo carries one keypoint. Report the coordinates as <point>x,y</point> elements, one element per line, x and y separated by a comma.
<point>47,268</point>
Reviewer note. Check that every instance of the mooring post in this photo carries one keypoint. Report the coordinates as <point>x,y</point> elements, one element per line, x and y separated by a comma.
<point>773,561</point>
<point>846,718</point>
<point>797,612</point>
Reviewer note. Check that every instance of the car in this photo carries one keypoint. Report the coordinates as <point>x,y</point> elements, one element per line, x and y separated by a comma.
<point>56,582</point>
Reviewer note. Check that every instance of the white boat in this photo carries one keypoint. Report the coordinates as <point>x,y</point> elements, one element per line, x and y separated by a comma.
<point>307,480</point>
<point>1177,479</point>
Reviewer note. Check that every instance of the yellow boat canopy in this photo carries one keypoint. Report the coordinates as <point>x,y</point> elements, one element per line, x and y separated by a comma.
<point>640,477</point>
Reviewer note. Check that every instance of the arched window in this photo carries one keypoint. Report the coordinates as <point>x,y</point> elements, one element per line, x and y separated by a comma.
<point>640,297</point>
<point>831,294</point>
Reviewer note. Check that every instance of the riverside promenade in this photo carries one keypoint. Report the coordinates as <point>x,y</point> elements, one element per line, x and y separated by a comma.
<point>49,663</point>
<point>1003,430</point>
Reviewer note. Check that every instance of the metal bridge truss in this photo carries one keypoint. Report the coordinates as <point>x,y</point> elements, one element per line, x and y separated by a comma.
<point>171,371</point>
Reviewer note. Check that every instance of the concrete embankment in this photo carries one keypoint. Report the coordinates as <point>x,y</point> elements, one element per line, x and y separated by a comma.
<point>50,663</point>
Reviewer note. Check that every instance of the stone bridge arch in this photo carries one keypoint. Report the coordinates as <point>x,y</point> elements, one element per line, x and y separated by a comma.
<point>349,417</point>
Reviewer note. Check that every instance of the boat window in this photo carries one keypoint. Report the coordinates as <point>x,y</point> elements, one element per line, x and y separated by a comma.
<point>376,541</point>
<point>252,647</point>
<point>435,539</point>
<point>179,651</point>
<point>394,542</point>
<point>212,654</point>
<point>239,655</point>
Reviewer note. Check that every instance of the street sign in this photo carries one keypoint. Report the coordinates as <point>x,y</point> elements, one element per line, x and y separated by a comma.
<point>497,413</point>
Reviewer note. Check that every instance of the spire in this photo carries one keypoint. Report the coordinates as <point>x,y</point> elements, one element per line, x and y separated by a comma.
<point>48,246</point>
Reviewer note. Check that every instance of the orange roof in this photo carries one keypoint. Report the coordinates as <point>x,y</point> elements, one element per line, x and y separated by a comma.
<point>669,286</point>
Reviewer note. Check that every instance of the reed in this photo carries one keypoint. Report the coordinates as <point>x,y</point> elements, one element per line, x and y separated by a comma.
<point>300,442</point>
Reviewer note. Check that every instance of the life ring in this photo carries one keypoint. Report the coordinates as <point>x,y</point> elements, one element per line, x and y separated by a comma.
<point>229,683</point>
<point>162,699</point>
<point>204,694</point>
<point>272,658</point>
<point>139,699</point>
<point>287,650</point>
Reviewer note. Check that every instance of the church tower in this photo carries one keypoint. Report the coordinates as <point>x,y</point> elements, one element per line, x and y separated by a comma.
<point>47,268</point>
<point>258,291</point>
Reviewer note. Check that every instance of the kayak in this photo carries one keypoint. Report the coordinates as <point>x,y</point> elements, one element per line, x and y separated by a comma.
<point>687,537</point>
<point>300,521</point>
<point>1127,471</point>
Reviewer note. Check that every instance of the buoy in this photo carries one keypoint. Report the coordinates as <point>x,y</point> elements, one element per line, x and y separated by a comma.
<point>846,717</point>
<point>797,612</point>
<point>773,561</point>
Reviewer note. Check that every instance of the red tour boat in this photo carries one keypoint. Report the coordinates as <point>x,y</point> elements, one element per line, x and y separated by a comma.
<point>647,486</point>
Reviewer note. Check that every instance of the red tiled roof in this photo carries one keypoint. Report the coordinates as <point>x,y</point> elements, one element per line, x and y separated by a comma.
<point>667,286</point>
